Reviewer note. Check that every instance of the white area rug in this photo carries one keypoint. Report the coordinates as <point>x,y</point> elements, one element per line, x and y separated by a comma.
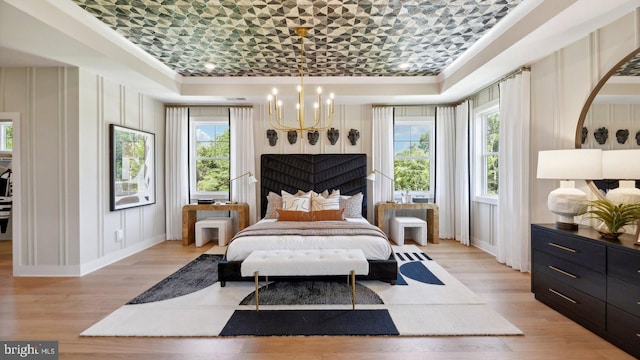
<point>417,309</point>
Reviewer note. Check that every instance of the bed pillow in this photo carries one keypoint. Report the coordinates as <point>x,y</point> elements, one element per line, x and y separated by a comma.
<point>327,215</point>
<point>330,202</point>
<point>296,202</point>
<point>274,202</point>
<point>292,215</point>
<point>352,205</point>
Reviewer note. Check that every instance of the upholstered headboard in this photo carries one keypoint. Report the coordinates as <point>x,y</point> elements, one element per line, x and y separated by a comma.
<point>293,172</point>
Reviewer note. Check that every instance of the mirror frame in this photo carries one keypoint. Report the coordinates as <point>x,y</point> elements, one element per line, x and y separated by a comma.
<point>587,106</point>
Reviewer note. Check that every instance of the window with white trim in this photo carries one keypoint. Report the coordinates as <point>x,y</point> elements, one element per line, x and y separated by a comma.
<point>487,142</point>
<point>413,152</point>
<point>209,158</point>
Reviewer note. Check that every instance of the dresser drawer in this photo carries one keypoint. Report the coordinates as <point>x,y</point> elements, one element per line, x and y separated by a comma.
<point>573,303</point>
<point>579,277</point>
<point>569,248</point>
<point>624,265</point>
<point>625,328</point>
<point>624,295</point>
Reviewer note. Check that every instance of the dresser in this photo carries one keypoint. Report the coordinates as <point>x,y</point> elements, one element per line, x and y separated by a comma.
<point>592,281</point>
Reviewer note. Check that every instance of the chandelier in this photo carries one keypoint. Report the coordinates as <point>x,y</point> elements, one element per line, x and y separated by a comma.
<point>319,112</point>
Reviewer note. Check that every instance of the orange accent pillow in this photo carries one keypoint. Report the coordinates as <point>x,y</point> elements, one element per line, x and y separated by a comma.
<point>293,215</point>
<point>327,215</point>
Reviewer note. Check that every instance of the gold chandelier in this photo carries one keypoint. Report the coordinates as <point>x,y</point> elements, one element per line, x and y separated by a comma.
<point>276,106</point>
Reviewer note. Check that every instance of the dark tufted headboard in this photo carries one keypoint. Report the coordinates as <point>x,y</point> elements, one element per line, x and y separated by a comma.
<point>293,172</point>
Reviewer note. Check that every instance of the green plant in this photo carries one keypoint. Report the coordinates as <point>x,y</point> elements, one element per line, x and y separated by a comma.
<point>613,216</point>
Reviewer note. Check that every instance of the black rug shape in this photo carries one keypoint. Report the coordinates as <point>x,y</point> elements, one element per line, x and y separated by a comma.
<point>196,275</point>
<point>417,271</point>
<point>309,323</point>
<point>308,292</point>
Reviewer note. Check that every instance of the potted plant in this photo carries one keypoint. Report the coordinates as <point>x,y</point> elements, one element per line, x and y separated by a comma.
<point>613,217</point>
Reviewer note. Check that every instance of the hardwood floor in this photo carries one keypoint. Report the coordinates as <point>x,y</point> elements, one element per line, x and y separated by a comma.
<point>60,308</point>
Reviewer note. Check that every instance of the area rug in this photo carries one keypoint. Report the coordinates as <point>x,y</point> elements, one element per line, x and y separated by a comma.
<point>427,301</point>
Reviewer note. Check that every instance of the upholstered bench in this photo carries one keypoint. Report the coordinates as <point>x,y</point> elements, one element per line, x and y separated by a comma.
<point>418,228</point>
<point>311,262</point>
<point>224,226</point>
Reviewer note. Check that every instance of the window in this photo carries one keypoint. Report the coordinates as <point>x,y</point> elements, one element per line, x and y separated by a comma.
<point>487,144</point>
<point>6,137</point>
<point>413,156</point>
<point>209,158</point>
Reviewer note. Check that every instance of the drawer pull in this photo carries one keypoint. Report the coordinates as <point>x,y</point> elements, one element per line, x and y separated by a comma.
<point>562,272</point>
<point>563,248</point>
<point>563,296</point>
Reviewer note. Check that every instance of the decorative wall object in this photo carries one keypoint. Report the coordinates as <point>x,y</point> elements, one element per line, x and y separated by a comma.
<point>622,136</point>
<point>313,137</point>
<point>292,136</point>
<point>354,135</point>
<point>272,135</point>
<point>333,134</point>
<point>132,165</point>
<point>585,131</point>
<point>601,135</point>
<point>638,138</point>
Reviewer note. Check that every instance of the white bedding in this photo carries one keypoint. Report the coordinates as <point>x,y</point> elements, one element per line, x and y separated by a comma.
<point>374,248</point>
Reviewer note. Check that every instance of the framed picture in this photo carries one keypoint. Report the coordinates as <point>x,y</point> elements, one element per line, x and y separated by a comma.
<point>638,233</point>
<point>132,167</point>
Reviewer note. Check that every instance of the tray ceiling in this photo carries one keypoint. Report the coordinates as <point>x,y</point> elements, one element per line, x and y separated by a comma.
<point>346,38</point>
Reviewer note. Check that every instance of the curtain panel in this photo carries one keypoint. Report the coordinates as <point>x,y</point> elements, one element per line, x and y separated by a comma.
<point>446,169</point>
<point>382,153</point>
<point>176,169</point>
<point>513,178</point>
<point>243,158</point>
<point>462,173</point>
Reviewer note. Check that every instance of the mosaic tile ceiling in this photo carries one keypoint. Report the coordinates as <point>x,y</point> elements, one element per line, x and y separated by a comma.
<point>346,37</point>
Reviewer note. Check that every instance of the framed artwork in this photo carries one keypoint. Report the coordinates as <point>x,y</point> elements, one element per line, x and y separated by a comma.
<point>638,233</point>
<point>132,167</point>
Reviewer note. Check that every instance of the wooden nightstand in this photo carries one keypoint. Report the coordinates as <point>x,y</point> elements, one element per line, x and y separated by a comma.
<point>189,215</point>
<point>431,216</point>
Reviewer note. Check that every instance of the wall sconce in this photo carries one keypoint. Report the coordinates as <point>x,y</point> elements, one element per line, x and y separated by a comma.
<point>372,178</point>
<point>624,166</point>
<point>581,164</point>
<point>252,180</point>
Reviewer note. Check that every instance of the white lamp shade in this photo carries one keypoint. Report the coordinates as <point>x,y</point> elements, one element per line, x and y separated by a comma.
<point>570,164</point>
<point>621,164</point>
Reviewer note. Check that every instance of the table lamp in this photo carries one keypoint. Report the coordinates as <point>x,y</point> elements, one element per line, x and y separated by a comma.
<point>568,165</point>
<point>623,165</point>
<point>372,178</point>
<point>252,180</point>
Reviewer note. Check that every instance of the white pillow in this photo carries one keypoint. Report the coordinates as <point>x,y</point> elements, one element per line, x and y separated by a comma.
<point>330,202</point>
<point>296,202</point>
<point>352,205</point>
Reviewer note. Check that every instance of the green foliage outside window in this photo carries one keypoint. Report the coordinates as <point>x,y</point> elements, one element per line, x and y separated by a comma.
<point>411,166</point>
<point>493,142</point>
<point>8,138</point>
<point>212,162</point>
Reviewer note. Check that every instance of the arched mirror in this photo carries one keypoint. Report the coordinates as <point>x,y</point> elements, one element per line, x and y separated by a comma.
<point>610,119</point>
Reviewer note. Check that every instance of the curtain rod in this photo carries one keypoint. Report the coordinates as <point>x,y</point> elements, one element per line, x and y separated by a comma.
<point>210,106</point>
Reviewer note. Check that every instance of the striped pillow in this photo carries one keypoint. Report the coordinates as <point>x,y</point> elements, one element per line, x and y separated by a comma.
<point>330,202</point>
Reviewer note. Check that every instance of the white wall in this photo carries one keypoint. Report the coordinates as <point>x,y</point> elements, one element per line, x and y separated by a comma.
<point>66,226</point>
<point>560,85</point>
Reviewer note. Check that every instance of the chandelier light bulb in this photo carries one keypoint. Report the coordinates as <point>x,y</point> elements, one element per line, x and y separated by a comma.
<point>331,96</point>
<point>315,105</point>
<point>299,88</point>
<point>279,103</point>
<point>297,106</point>
<point>319,90</point>
<point>274,91</point>
<point>269,97</point>
<point>328,101</point>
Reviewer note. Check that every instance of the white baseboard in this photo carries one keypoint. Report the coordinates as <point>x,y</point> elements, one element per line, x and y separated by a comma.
<point>84,269</point>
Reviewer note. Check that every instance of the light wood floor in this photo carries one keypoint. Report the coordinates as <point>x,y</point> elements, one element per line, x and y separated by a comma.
<point>60,308</point>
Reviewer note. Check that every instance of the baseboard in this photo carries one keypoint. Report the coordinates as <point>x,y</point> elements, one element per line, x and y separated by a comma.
<point>119,255</point>
<point>84,269</point>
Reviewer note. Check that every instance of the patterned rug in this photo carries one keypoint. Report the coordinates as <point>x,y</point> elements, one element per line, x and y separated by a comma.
<point>427,301</point>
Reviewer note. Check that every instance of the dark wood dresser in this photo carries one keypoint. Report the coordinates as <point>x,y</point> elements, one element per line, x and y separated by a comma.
<point>592,281</point>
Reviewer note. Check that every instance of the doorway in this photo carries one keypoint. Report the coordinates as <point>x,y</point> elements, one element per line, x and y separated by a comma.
<point>10,186</point>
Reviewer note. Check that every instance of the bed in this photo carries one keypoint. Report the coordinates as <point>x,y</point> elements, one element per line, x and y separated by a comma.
<point>318,175</point>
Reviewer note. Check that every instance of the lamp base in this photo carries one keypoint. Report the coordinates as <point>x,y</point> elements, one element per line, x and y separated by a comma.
<point>566,226</point>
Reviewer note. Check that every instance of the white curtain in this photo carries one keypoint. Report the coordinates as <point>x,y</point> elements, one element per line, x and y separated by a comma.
<point>382,153</point>
<point>176,169</point>
<point>243,158</point>
<point>513,178</point>
<point>446,169</point>
<point>462,196</point>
